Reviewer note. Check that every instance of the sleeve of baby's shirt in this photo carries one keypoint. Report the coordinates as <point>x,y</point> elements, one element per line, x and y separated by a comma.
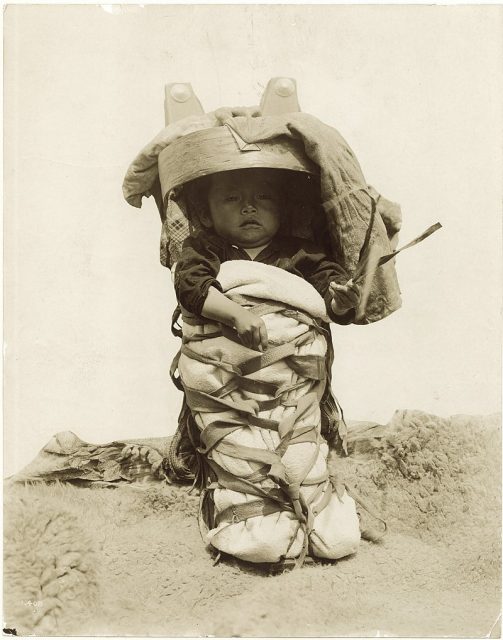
<point>195,273</point>
<point>320,271</point>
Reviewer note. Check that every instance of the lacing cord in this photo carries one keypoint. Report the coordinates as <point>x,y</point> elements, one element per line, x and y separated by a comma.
<point>285,496</point>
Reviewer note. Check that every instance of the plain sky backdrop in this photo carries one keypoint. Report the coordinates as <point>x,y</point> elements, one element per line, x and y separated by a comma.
<point>416,91</point>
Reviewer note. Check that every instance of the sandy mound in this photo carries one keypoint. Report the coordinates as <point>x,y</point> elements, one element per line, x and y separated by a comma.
<point>131,561</point>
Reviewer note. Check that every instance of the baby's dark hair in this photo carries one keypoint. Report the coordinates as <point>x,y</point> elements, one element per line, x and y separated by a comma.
<point>300,201</point>
<point>196,199</point>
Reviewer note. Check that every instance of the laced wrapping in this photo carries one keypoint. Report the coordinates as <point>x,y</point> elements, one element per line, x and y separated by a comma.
<point>267,494</point>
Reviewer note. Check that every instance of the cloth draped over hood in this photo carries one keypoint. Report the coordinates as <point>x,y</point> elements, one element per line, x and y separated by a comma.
<point>346,199</point>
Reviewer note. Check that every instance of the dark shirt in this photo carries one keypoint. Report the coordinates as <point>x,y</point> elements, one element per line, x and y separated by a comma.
<point>202,255</point>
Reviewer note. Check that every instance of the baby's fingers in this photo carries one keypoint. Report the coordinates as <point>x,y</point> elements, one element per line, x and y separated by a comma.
<point>348,293</point>
<point>264,338</point>
<point>353,288</point>
<point>260,339</point>
<point>256,339</point>
<point>353,294</point>
<point>246,338</point>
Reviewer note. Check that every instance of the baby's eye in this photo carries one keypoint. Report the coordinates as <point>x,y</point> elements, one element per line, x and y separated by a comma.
<point>231,197</point>
<point>265,196</point>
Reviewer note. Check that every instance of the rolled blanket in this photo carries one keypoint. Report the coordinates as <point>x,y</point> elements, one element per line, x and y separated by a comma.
<point>268,492</point>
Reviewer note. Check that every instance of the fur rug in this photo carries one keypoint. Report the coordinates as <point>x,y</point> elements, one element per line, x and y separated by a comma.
<point>130,561</point>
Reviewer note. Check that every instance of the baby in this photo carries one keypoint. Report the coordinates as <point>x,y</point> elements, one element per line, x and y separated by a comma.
<point>242,222</point>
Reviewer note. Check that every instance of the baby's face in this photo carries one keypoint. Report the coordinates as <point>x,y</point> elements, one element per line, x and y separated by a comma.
<point>245,206</point>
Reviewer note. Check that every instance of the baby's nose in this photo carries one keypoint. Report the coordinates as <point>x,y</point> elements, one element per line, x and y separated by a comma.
<point>248,207</point>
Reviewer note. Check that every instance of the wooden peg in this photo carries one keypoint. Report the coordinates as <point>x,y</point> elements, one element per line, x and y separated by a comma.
<point>280,96</point>
<point>180,101</point>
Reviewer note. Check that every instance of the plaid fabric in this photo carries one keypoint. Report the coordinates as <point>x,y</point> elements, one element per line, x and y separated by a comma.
<point>175,229</point>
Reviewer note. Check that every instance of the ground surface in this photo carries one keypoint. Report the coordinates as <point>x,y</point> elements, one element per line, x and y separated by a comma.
<point>130,561</point>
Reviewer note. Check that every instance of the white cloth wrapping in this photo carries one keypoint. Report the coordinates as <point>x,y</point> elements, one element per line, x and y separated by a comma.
<point>269,538</point>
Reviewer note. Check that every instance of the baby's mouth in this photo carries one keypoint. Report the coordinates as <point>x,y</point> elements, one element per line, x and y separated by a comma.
<point>250,223</point>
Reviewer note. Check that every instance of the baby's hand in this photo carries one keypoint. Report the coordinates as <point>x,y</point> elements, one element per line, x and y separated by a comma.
<point>251,330</point>
<point>344,297</point>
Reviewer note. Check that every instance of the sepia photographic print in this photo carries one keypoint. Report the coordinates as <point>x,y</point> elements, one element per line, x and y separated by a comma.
<point>252,320</point>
